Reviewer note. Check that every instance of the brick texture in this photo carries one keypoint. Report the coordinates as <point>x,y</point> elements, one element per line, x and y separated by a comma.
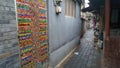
<point>9,49</point>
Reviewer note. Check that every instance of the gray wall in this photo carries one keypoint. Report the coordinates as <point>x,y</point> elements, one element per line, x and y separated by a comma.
<point>64,32</point>
<point>9,49</point>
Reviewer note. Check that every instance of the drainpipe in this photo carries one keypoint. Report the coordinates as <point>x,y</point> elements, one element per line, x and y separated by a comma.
<point>47,5</point>
<point>107,20</point>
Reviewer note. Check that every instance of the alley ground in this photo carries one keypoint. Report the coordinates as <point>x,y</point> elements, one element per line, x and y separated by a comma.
<point>112,53</point>
<point>86,56</point>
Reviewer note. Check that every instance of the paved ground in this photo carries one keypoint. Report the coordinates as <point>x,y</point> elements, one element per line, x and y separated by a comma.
<point>86,56</point>
<point>112,53</point>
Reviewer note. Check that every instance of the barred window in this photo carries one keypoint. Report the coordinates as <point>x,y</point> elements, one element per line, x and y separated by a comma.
<point>70,8</point>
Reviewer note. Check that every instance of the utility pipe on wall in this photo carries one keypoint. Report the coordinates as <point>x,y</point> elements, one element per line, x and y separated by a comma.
<point>107,19</point>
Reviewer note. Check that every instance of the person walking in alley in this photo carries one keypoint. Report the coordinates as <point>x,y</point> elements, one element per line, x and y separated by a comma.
<point>82,28</point>
<point>94,23</point>
<point>96,32</point>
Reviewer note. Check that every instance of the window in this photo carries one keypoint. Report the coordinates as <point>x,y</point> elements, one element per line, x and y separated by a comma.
<point>114,16</point>
<point>70,8</point>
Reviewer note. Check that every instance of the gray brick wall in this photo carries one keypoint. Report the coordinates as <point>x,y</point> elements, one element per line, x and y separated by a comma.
<point>9,48</point>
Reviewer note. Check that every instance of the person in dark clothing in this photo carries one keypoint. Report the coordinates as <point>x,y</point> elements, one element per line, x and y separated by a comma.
<point>94,21</point>
<point>82,27</point>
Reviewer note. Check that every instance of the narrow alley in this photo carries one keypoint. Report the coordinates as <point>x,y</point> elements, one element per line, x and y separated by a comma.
<point>86,56</point>
<point>59,33</point>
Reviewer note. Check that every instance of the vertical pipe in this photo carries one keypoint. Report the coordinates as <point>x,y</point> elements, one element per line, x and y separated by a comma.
<point>107,21</point>
<point>15,2</point>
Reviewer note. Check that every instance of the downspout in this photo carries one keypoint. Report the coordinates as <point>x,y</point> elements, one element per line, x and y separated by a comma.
<point>47,5</point>
<point>107,19</point>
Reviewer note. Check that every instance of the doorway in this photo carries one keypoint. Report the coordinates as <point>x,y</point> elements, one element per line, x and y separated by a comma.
<point>115,18</point>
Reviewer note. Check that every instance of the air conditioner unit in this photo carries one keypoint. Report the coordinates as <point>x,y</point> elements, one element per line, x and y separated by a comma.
<point>58,9</point>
